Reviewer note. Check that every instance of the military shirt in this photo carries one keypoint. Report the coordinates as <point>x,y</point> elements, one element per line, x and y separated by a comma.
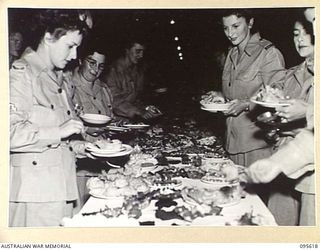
<point>261,64</point>
<point>42,167</point>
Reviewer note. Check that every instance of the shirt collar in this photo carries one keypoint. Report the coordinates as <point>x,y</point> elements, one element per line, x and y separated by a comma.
<point>85,85</point>
<point>38,65</point>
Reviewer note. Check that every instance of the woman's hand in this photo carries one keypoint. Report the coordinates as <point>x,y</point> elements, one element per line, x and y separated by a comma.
<point>237,107</point>
<point>70,127</point>
<point>263,171</point>
<point>295,111</point>
<point>79,148</point>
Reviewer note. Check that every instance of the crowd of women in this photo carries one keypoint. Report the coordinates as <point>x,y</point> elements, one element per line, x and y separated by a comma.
<point>48,138</point>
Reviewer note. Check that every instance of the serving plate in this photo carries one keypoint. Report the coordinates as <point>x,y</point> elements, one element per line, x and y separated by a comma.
<point>127,150</point>
<point>215,110</point>
<point>270,104</point>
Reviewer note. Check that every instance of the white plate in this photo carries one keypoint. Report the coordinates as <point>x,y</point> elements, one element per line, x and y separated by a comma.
<point>105,151</point>
<point>215,110</point>
<point>270,104</point>
<point>128,149</point>
<point>216,184</point>
<point>100,195</point>
<point>216,106</point>
<point>137,126</point>
<point>95,118</point>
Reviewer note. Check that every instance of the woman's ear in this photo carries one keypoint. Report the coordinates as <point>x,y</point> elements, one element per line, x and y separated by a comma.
<point>47,38</point>
<point>251,22</point>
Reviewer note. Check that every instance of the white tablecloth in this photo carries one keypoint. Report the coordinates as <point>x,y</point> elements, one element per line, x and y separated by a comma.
<point>228,216</point>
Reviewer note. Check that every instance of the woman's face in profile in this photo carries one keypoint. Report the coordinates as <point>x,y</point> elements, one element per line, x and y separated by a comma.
<point>64,49</point>
<point>302,41</point>
<point>236,28</point>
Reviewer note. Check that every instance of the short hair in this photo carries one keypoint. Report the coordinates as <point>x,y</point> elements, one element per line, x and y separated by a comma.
<point>246,13</point>
<point>132,40</point>
<point>91,45</point>
<point>57,22</point>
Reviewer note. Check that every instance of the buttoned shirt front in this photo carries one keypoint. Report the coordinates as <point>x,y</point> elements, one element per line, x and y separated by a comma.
<point>260,64</point>
<point>42,166</point>
<point>95,98</point>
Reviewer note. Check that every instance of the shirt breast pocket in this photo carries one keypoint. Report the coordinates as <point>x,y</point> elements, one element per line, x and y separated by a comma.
<point>248,75</point>
<point>48,116</point>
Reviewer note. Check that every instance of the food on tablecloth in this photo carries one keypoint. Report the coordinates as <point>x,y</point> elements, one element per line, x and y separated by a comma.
<point>270,94</point>
<point>221,197</point>
<point>208,141</point>
<point>117,184</point>
<point>212,97</point>
<point>215,164</point>
<point>139,163</point>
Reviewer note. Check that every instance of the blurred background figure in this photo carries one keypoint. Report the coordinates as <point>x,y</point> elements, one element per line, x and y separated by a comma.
<point>15,45</point>
<point>90,92</point>
<point>127,82</point>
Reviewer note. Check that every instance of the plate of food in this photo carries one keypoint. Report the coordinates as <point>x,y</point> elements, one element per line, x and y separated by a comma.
<point>95,118</point>
<point>216,179</point>
<point>270,97</point>
<point>136,125</point>
<point>106,146</point>
<point>125,150</point>
<point>213,101</point>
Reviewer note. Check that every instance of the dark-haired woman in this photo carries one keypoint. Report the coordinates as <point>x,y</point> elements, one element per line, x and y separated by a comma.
<point>299,85</point>
<point>43,123</point>
<point>251,63</point>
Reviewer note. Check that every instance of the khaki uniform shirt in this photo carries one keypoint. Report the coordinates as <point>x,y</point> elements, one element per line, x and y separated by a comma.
<point>126,85</point>
<point>260,64</point>
<point>42,167</point>
<point>94,100</point>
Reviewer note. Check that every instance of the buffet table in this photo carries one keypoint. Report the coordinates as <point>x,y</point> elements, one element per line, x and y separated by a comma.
<point>181,158</point>
<point>251,205</point>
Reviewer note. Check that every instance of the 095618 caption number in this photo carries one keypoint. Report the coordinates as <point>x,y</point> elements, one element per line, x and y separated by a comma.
<point>308,245</point>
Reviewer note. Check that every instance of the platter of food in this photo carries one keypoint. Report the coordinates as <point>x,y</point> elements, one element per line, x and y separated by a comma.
<point>271,98</point>
<point>216,179</point>
<point>223,197</point>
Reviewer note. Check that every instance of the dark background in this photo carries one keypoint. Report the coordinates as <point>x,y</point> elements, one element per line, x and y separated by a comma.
<point>200,35</point>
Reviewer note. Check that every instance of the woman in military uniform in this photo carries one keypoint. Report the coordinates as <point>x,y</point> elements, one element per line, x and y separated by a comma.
<point>43,123</point>
<point>251,63</point>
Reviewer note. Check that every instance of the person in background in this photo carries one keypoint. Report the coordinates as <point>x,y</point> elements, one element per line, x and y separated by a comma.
<point>251,63</point>
<point>43,123</point>
<point>15,46</point>
<point>126,80</point>
<point>299,86</point>
<point>90,93</point>
<point>93,96</point>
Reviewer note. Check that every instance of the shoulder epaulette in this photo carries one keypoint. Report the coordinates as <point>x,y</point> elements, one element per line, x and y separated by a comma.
<point>19,65</point>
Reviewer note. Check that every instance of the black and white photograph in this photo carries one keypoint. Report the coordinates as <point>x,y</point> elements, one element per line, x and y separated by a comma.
<point>161,117</point>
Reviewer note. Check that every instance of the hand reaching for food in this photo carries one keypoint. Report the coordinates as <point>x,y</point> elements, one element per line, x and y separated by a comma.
<point>297,109</point>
